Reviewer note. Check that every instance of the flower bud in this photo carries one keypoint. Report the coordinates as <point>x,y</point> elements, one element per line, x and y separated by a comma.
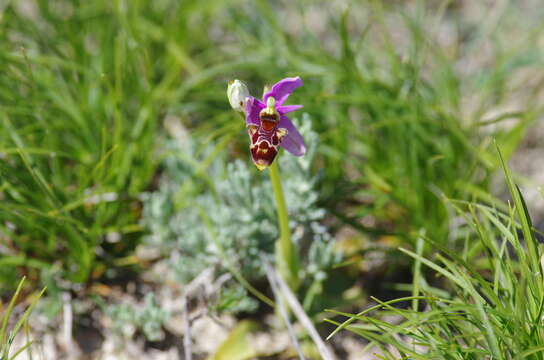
<point>237,93</point>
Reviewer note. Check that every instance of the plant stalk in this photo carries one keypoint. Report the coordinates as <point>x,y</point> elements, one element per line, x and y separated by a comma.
<point>286,254</point>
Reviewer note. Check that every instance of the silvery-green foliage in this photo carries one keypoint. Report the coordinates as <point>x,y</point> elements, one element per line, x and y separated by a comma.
<point>233,298</point>
<point>225,216</point>
<point>149,318</point>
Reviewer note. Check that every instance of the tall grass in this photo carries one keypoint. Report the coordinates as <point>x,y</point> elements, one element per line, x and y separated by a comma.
<point>86,86</point>
<point>84,89</point>
<point>7,333</point>
<point>488,300</point>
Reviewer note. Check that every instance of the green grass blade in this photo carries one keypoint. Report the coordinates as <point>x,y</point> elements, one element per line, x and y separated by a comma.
<point>524,219</point>
<point>7,313</point>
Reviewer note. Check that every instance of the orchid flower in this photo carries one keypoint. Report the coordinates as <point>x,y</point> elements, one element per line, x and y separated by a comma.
<point>268,126</point>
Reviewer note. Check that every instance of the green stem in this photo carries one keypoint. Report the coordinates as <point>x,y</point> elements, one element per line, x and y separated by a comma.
<point>286,254</point>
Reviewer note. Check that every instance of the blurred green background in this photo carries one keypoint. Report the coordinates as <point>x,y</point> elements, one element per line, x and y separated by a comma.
<point>405,97</point>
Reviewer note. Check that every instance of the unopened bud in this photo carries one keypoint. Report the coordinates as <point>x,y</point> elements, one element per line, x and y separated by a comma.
<point>237,93</point>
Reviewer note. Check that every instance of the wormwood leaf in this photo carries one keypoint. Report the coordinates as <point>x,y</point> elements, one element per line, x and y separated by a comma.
<point>229,221</point>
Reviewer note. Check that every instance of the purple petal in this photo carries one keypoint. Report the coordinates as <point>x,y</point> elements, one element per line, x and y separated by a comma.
<point>293,141</point>
<point>288,108</point>
<point>253,108</point>
<point>282,89</point>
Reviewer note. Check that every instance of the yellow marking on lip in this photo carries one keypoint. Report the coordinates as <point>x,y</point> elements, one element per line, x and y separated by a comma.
<point>261,166</point>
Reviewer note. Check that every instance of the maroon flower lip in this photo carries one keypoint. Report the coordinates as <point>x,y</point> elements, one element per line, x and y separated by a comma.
<point>263,154</point>
<point>268,127</point>
<point>265,140</point>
